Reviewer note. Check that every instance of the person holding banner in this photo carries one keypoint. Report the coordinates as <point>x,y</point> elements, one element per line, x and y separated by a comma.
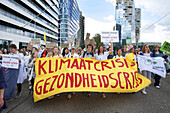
<point>73,54</point>
<point>31,65</point>
<point>119,54</point>
<point>102,55</point>
<point>56,52</point>
<point>157,53</point>
<point>11,75</point>
<point>147,74</point>
<point>88,54</point>
<point>65,52</point>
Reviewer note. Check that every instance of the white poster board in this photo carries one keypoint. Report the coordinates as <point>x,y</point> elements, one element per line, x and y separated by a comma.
<point>110,36</point>
<point>10,61</point>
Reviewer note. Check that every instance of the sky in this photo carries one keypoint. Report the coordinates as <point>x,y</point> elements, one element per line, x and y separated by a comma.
<point>100,16</point>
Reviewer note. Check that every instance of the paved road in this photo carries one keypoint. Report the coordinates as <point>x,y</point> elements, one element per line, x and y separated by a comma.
<point>156,101</point>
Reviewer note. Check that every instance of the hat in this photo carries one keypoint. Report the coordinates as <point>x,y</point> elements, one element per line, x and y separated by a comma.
<point>42,46</point>
<point>84,49</point>
<point>131,48</point>
<point>73,47</point>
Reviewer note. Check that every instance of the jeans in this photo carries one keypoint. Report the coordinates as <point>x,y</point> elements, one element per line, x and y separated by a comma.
<point>147,74</point>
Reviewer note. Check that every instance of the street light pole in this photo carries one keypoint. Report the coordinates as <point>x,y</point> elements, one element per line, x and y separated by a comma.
<point>35,18</point>
<point>38,15</point>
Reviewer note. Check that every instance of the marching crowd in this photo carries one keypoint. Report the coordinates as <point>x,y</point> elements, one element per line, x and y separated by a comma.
<point>10,78</point>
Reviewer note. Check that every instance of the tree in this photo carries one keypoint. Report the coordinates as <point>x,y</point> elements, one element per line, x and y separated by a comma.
<point>97,39</point>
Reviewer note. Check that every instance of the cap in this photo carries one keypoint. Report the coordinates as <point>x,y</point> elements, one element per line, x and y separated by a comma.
<point>72,47</point>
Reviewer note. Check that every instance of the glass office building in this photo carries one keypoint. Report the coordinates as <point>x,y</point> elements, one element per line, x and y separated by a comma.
<point>69,19</point>
<point>22,20</point>
<point>125,16</point>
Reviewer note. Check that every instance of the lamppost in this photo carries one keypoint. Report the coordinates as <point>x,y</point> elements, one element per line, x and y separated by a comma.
<point>36,17</point>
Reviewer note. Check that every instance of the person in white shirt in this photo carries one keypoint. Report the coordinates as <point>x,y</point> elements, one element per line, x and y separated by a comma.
<point>56,52</point>
<point>73,53</point>
<point>22,74</point>
<point>65,52</point>
<point>147,74</point>
<point>119,54</point>
<point>103,56</point>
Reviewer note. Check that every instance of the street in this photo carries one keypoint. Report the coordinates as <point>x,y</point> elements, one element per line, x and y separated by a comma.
<point>156,101</point>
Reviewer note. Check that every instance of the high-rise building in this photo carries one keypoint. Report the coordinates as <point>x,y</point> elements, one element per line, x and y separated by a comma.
<point>137,23</point>
<point>125,16</point>
<point>69,19</point>
<point>81,34</point>
<point>22,20</point>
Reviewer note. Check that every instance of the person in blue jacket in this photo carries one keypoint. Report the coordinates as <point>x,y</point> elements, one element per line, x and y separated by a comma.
<point>3,104</point>
<point>157,53</point>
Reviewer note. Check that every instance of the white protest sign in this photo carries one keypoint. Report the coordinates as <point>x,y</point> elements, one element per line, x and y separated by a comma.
<point>70,39</point>
<point>110,36</point>
<point>10,61</point>
<point>155,65</point>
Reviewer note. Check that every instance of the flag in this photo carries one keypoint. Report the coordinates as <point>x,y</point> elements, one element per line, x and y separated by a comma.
<point>44,36</point>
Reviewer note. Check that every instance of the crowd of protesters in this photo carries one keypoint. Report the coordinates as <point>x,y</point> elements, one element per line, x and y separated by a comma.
<point>12,78</point>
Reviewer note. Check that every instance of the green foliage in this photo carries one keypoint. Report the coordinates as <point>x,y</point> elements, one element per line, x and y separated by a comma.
<point>97,39</point>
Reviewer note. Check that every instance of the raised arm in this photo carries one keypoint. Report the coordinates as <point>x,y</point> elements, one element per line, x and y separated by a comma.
<point>111,45</point>
<point>1,97</point>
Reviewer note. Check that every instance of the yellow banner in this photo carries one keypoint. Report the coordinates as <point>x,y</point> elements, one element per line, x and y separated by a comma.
<point>58,75</point>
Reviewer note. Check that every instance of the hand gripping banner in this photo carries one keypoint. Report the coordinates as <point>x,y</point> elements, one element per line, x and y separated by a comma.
<point>58,75</point>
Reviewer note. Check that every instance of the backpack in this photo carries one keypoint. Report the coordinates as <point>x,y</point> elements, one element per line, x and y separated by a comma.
<point>90,53</point>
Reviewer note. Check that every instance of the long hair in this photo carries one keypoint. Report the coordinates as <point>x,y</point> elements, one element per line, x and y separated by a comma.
<point>143,49</point>
<point>63,54</point>
<point>58,50</point>
<point>99,49</point>
<point>155,46</point>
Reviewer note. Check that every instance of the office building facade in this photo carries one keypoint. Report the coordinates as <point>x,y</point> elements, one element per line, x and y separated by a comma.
<point>69,19</point>
<point>81,32</point>
<point>125,16</point>
<point>137,23</point>
<point>22,20</point>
